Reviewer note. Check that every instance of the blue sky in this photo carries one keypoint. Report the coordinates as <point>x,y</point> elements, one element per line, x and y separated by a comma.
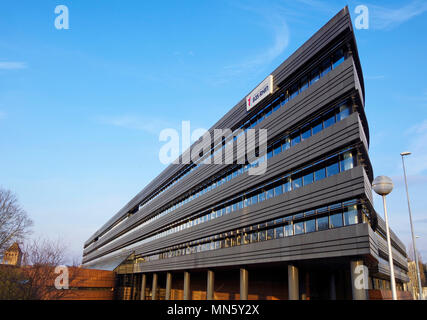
<point>81,109</point>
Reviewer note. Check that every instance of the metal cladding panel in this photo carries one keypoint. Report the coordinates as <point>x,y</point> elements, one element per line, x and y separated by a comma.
<point>338,136</point>
<point>343,186</point>
<point>337,26</point>
<point>327,90</point>
<point>345,241</point>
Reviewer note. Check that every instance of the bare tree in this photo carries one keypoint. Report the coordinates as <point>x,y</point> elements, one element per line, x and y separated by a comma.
<point>14,221</point>
<point>36,279</point>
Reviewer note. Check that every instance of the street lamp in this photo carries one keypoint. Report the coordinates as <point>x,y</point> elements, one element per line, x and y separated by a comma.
<point>383,186</point>
<point>403,154</point>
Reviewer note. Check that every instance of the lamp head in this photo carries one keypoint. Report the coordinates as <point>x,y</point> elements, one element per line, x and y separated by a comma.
<point>382,185</point>
<point>405,153</point>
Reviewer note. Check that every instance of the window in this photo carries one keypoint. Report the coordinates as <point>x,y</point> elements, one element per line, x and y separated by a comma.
<point>288,229</point>
<point>330,120</point>
<point>322,223</point>
<point>347,161</point>
<point>296,183</point>
<point>304,83</point>
<point>350,215</point>
<point>277,148</point>
<point>254,237</point>
<point>310,226</point>
<point>278,232</point>
<point>270,193</point>
<point>261,196</point>
<point>306,133</point>
<point>335,220</point>
<point>247,202</point>
<point>317,127</point>
<point>278,190</point>
<point>287,185</point>
<point>308,179</point>
<point>270,234</point>
<point>332,169</point>
<point>295,139</point>
<point>254,199</point>
<point>343,112</point>
<point>293,91</point>
<point>326,67</point>
<point>314,76</point>
<point>299,228</point>
<point>286,144</point>
<point>338,58</point>
<point>262,235</point>
<point>319,174</point>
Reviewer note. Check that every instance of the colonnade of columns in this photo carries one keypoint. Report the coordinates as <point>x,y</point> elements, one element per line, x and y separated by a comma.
<point>359,291</point>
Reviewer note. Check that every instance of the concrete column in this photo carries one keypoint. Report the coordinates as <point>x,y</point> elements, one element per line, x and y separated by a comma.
<point>168,285</point>
<point>293,284</point>
<point>143,285</point>
<point>359,280</point>
<point>210,285</point>
<point>187,286</point>
<point>332,288</point>
<point>154,287</point>
<point>244,284</point>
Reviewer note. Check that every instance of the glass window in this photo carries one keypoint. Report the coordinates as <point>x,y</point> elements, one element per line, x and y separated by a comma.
<point>254,199</point>
<point>338,58</point>
<point>254,237</point>
<point>227,209</point>
<point>326,67</point>
<point>270,193</point>
<point>330,120</point>
<point>332,169</point>
<point>268,112</point>
<point>304,83</point>
<point>298,216</point>
<point>322,223</point>
<point>262,235</point>
<point>247,202</point>
<point>310,213</point>
<point>310,226</point>
<point>277,148</point>
<point>288,229</point>
<point>269,154</point>
<point>335,220</point>
<point>293,91</point>
<point>317,127</point>
<point>308,179</point>
<point>296,183</point>
<point>261,196</point>
<point>240,205</point>
<point>350,215</point>
<point>246,238</point>
<point>343,112</point>
<point>306,133</point>
<point>347,161</point>
<point>270,234</point>
<point>219,213</point>
<point>319,174</point>
<point>314,76</point>
<point>286,144</point>
<point>278,190</point>
<point>299,228</point>
<point>295,139</point>
<point>286,185</point>
<point>278,232</point>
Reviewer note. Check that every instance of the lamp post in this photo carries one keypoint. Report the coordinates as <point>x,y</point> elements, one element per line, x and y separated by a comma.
<point>403,154</point>
<point>383,186</point>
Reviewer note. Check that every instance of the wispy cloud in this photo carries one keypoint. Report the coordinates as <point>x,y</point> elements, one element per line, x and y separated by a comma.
<point>383,18</point>
<point>378,77</point>
<point>133,122</point>
<point>272,19</point>
<point>12,65</point>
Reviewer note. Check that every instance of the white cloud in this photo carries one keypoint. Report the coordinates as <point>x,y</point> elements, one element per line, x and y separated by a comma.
<point>12,65</point>
<point>385,18</point>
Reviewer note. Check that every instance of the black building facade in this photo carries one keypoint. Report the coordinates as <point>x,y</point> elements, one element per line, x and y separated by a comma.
<point>305,229</point>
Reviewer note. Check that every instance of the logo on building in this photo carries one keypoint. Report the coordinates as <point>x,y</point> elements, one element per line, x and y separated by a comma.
<point>259,93</point>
